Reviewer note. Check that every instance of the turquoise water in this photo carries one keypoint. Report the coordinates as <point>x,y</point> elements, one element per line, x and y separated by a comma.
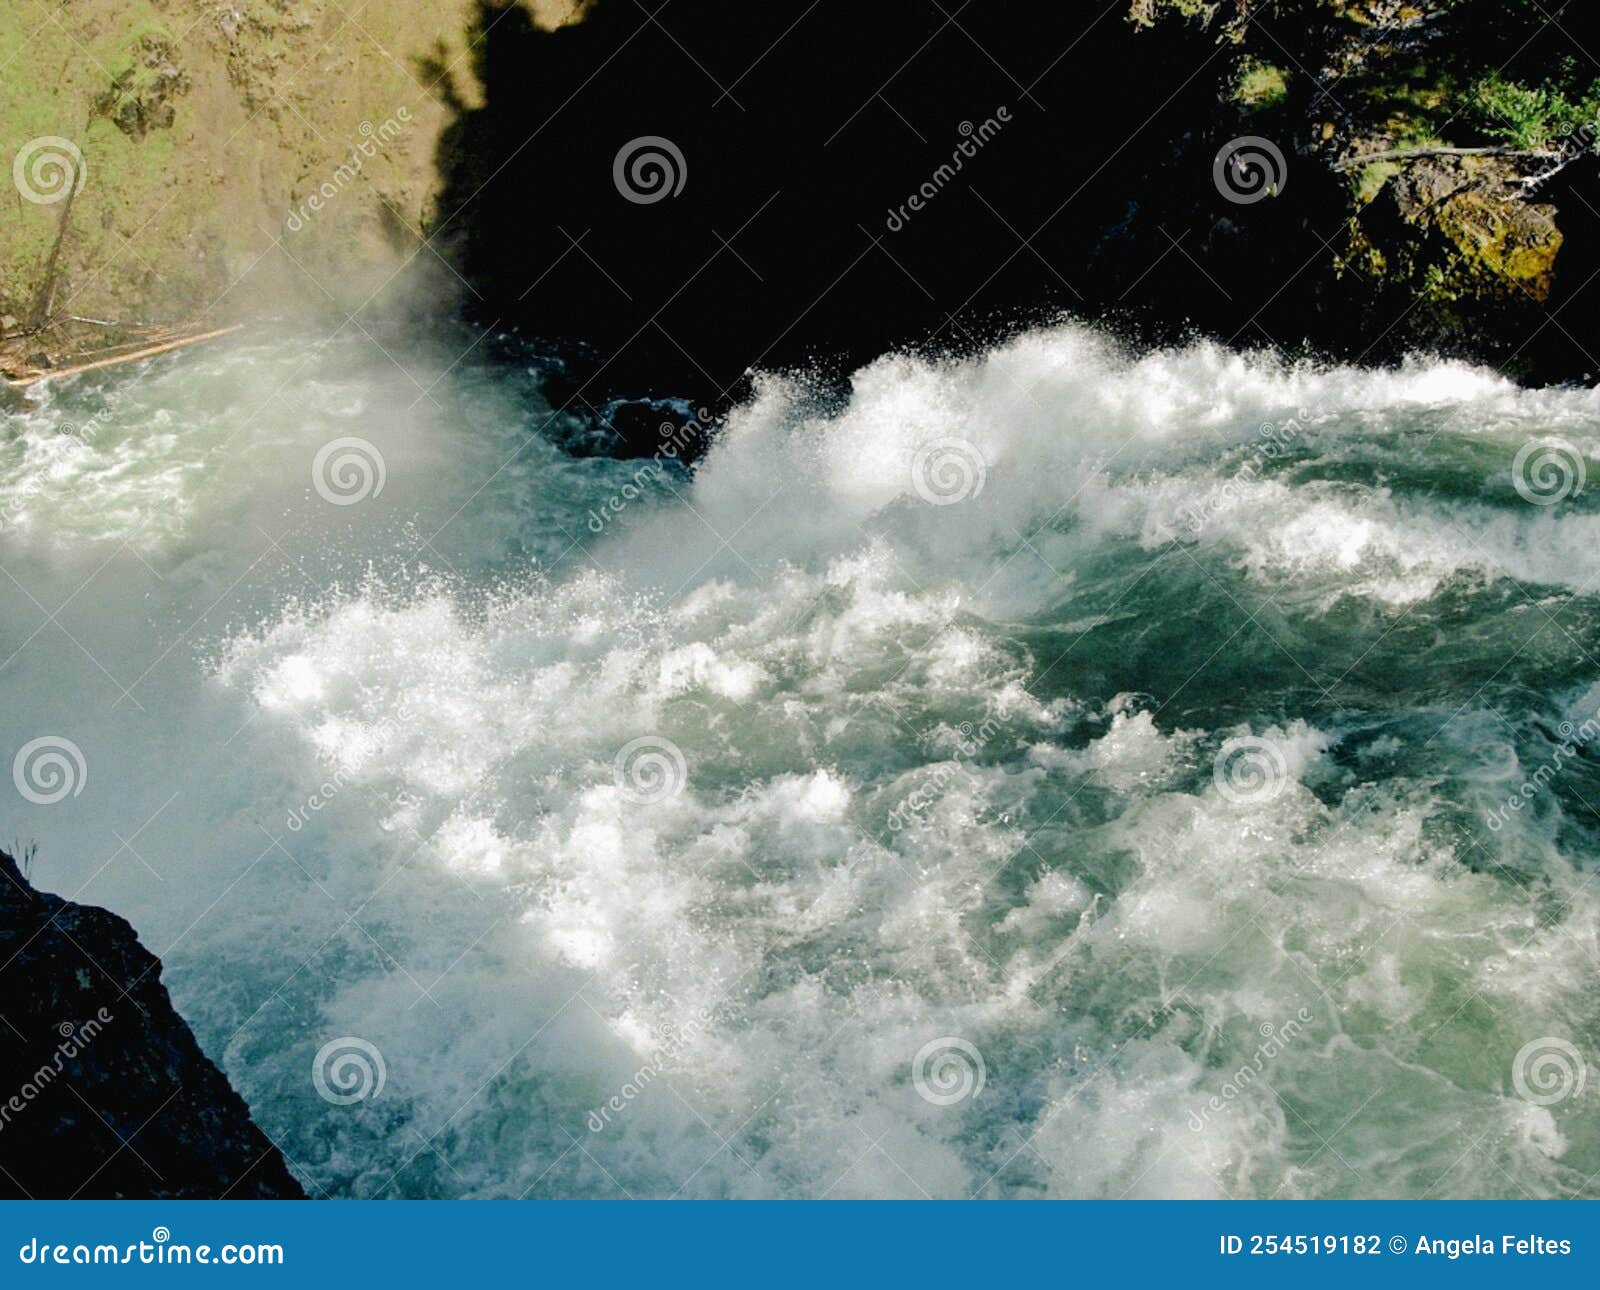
<point>1055,773</point>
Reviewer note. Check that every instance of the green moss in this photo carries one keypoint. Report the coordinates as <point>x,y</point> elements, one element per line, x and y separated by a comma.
<point>1371,179</point>
<point>1494,237</point>
<point>1414,92</point>
<point>1260,85</point>
<point>1532,116</point>
<point>1360,255</point>
<point>1146,13</point>
<point>1436,287</point>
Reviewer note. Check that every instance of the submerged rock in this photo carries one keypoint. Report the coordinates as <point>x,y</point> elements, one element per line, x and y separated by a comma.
<point>103,1090</point>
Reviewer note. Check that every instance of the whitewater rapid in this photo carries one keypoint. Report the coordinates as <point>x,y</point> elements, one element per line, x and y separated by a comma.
<point>1055,772</point>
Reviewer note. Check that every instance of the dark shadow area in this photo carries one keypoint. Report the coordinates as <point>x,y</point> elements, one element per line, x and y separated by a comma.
<point>856,178</point>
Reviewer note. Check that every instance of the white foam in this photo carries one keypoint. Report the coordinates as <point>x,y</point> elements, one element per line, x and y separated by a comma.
<point>908,808</point>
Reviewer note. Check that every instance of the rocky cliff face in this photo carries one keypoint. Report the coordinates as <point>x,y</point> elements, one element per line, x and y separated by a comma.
<point>103,1090</point>
<point>197,161</point>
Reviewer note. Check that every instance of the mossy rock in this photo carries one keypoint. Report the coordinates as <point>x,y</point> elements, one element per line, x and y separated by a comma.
<point>1259,85</point>
<point>1487,238</point>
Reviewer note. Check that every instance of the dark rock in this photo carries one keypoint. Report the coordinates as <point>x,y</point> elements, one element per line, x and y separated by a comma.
<point>103,1090</point>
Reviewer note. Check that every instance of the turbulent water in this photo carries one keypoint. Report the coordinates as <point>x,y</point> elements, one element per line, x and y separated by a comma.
<point>1052,773</point>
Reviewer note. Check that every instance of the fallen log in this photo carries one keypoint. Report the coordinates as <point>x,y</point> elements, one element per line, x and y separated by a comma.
<point>146,351</point>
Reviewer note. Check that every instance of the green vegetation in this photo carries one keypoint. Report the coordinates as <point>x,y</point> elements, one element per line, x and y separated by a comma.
<point>1371,179</point>
<point>1146,13</point>
<point>1402,99</point>
<point>1535,117</point>
<point>1259,85</point>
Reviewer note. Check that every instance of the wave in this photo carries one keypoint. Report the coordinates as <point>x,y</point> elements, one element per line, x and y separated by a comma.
<point>1057,771</point>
